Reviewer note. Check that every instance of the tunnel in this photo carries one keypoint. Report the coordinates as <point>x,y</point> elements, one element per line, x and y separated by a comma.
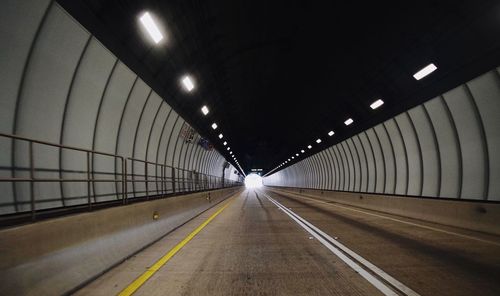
<point>249,147</point>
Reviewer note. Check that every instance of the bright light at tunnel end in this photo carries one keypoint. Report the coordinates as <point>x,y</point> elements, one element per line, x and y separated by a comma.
<point>253,181</point>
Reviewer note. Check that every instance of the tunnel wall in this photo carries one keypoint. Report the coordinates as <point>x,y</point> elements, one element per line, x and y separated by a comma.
<point>447,147</point>
<point>61,85</point>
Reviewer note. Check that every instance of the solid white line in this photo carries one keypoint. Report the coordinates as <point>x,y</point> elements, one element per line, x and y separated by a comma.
<point>337,248</point>
<point>304,196</point>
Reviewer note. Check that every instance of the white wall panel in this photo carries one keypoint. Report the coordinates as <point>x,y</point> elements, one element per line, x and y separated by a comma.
<point>486,93</point>
<point>371,175</point>
<point>414,172</point>
<point>400,156</point>
<point>469,135</point>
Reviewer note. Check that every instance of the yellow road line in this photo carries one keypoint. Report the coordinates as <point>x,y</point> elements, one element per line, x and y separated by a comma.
<point>138,282</point>
<point>394,219</point>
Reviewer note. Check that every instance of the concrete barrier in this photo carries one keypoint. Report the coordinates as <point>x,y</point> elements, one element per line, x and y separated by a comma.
<point>56,256</point>
<point>467,214</point>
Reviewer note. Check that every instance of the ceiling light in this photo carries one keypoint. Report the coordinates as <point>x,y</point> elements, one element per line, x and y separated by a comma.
<point>293,157</point>
<point>187,83</point>
<point>289,159</point>
<point>376,104</point>
<point>205,111</point>
<point>228,148</point>
<point>302,151</point>
<point>230,152</point>
<point>214,125</point>
<point>425,71</point>
<point>149,24</point>
<point>318,141</point>
<point>348,121</point>
<point>331,133</point>
<point>296,154</point>
<point>309,146</point>
<point>220,136</point>
<point>225,143</point>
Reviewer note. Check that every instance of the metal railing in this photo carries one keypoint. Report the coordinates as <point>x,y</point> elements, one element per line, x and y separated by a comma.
<point>124,178</point>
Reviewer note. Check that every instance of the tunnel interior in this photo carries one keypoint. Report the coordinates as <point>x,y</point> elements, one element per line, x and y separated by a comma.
<point>249,148</point>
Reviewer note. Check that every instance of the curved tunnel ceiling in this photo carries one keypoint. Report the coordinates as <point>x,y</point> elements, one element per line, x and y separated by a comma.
<point>277,75</point>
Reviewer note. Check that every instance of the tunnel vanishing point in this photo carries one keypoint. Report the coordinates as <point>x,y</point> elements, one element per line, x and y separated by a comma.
<point>249,147</point>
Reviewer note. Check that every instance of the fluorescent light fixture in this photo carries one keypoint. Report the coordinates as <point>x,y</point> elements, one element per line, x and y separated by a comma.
<point>148,23</point>
<point>348,121</point>
<point>293,157</point>
<point>425,71</point>
<point>225,143</point>
<point>376,104</point>
<point>296,154</point>
<point>214,125</point>
<point>309,146</point>
<point>318,141</point>
<point>230,152</point>
<point>331,133</point>
<point>220,136</point>
<point>289,159</point>
<point>187,82</point>
<point>228,148</point>
<point>302,151</point>
<point>205,111</point>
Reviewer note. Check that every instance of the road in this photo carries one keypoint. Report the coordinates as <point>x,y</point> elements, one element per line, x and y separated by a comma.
<point>262,242</point>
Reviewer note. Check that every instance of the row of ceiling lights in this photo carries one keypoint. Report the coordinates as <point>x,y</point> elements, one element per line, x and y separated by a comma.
<point>419,75</point>
<point>187,81</point>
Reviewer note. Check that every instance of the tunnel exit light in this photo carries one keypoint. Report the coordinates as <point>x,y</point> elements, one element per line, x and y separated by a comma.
<point>348,121</point>
<point>376,104</point>
<point>150,26</point>
<point>187,83</point>
<point>425,71</point>
<point>253,181</point>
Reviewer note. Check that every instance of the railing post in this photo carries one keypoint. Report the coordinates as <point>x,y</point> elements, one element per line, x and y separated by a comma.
<point>161,180</point>
<point>88,180</point>
<point>124,179</point>
<point>146,178</point>
<point>173,180</point>
<point>32,179</point>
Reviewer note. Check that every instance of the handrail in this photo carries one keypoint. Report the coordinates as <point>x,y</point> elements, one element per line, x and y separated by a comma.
<point>158,182</point>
